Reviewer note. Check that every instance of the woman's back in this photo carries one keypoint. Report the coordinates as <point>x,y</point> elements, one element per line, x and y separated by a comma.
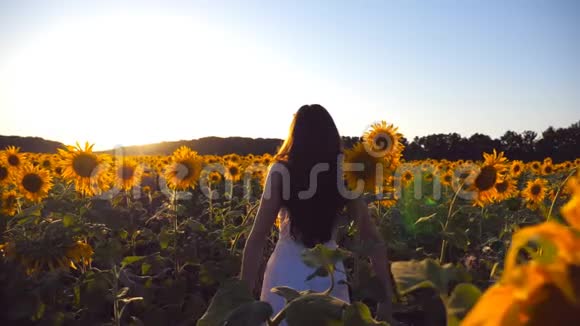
<point>286,268</point>
<point>304,188</point>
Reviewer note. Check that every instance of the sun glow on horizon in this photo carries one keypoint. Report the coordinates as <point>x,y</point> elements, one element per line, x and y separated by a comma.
<point>132,80</point>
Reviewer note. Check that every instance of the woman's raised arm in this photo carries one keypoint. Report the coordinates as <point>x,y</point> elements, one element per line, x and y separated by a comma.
<point>358,209</point>
<point>270,204</point>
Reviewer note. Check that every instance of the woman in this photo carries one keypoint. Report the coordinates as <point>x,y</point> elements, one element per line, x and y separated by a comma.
<point>303,188</point>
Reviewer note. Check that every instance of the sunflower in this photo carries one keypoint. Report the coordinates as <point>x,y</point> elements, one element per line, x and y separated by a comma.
<point>516,168</point>
<point>9,202</point>
<point>535,192</point>
<point>234,158</point>
<point>446,178</point>
<point>128,174</point>
<point>211,177</point>
<point>215,177</point>
<point>535,166</point>
<point>259,176</point>
<point>407,177</point>
<point>80,253</point>
<point>536,292</point>
<point>160,167</point>
<point>58,171</point>
<point>373,168</point>
<point>12,156</point>
<point>149,179</point>
<point>428,176</point>
<point>184,170</point>
<point>388,195</point>
<point>267,159</point>
<point>35,256</point>
<point>382,139</point>
<point>33,182</point>
<point>482,183</point>
<point>46,162</point>
<point>86,169</point>
<point>547,168</point>
<point>463,173</point>
<point>571,211</point>
<point>233,171</point>
<point>444,166</point>
<point>4,173</point>
<point>388,201</point>
<point>506,189</point>
<point>212,159</point>
<point>427,165</point>
<point>531,294</point>
<point>564,166</point>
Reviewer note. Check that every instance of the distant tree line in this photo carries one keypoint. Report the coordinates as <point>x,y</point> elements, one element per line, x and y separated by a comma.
<point>560,144</point>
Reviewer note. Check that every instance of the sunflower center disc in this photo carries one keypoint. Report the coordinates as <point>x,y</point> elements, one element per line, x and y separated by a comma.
<point>184,171</point>
<point>84,165</point>
<point>536,190</point>
<point>127,172</point>
<point>486,179</point>
<point>3,173</point>
<point>32,183</point>
<point>13,160</point>
<point>502,186</point>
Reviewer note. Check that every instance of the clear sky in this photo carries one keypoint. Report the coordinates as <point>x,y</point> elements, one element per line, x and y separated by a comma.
<point>135,72</point>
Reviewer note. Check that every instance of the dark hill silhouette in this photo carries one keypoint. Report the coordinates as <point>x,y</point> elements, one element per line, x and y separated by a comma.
<point>30,144</point>
<point>560,144</point>
<point>216,146</point>
<point>208,145</point>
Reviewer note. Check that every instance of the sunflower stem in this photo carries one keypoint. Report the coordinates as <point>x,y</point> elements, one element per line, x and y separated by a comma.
<point>175,232</point>
<point>210,202</point>
<point>128,203</point>
<point>244,220</point>
<point>116,315</point>
<point>18,206</point>
<point>449,215</point>
<point>558,193</point>
<point>331,274</point>
<point>127,199</point>
<point>481,222</point>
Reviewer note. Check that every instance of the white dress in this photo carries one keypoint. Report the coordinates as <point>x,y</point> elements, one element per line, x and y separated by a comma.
<point>285,268</point>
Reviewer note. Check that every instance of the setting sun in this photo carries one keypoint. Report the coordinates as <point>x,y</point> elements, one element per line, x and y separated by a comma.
<point>137,79</point>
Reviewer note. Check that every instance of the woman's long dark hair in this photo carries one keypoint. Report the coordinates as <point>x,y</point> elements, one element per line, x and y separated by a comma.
<point>313,141</point>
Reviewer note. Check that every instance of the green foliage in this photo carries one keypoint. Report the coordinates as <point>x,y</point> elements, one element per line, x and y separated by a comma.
<point>233,303</point>
<point>462,299</point>
<point>315,309</point>
<point>411,275</point>
<point>358,314</point>
<point>157,261</point>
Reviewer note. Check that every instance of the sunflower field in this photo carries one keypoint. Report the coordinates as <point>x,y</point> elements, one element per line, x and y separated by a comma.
<point>92,238</point>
